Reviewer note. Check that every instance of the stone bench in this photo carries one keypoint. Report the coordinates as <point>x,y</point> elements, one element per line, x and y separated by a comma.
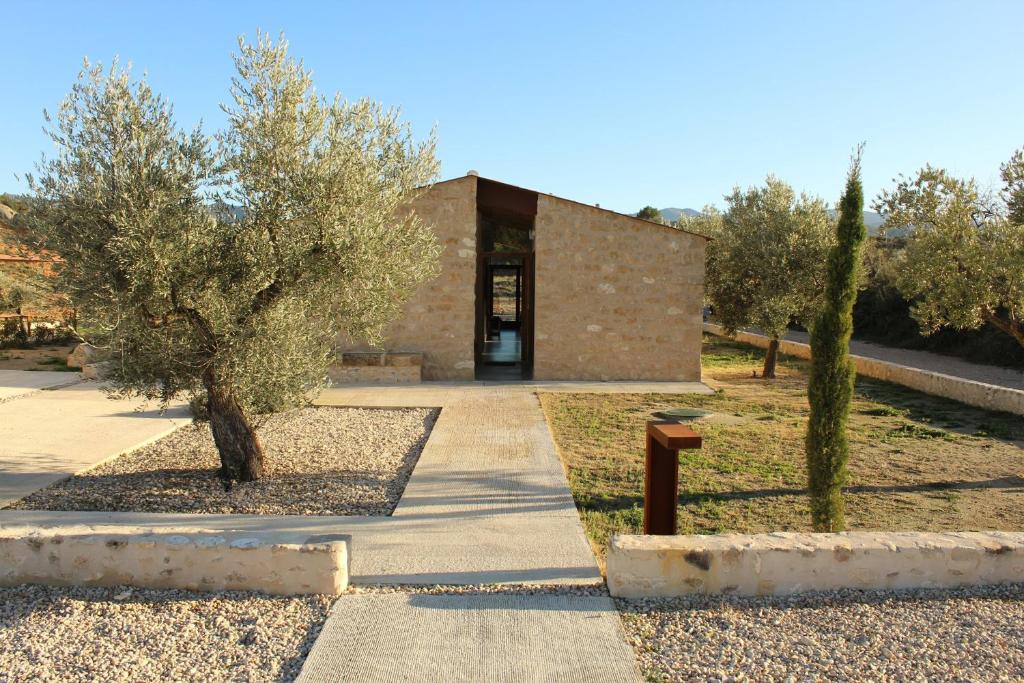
<point>377,367</point>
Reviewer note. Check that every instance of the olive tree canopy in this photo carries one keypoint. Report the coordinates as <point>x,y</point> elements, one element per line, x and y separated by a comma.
<point>962,265</point>
<point>766,262</point>
<point>225,268</point>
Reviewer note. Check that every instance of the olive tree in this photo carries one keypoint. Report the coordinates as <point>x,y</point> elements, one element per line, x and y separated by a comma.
<point>223,269</point>
<point>24,288</point>
<point>766,260</point>
<point>962,264</point>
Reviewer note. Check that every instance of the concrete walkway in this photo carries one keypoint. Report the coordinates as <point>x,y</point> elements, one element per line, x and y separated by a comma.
<point>20,383</point>
<point>492,505</point>
<point>401,637</point>
<point>488,503</point>
<point>48,435</point>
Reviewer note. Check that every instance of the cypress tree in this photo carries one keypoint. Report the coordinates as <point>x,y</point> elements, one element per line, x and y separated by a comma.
<point>832,371</point>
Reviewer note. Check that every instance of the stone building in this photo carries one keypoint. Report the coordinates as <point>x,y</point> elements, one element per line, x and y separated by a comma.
<point>534,286</point>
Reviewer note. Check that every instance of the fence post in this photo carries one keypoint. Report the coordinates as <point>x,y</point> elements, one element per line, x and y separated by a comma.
<point>661,474</point>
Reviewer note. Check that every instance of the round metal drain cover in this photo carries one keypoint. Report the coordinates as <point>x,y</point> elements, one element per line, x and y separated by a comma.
<point>682,414</point>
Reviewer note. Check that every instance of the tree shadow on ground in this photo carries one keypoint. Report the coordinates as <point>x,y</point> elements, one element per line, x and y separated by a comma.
<point>628,502</point>
<point>945,413</point>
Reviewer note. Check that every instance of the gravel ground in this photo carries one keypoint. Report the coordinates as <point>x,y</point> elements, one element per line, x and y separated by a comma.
<point>319,461</point>
<point>119,634</point>
<point>968,634</point>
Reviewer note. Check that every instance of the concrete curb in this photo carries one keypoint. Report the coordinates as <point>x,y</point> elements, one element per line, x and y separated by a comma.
<point>787,563</point>
<point>177,422</point>
<point>183,558</point>
<point>978,394</point>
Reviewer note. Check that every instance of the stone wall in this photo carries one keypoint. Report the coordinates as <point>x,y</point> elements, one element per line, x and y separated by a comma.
<point>617,298</point>
<point>191,559</point>
<point>979,394</point>
<point>439,319</point>
<point>376,367</point>
<point>786,563</point>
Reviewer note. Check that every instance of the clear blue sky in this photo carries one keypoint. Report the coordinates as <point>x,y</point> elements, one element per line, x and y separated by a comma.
<point>622,104</point>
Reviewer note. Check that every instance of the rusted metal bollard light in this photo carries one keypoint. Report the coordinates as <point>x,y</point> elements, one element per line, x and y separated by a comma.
<point>661,477</point>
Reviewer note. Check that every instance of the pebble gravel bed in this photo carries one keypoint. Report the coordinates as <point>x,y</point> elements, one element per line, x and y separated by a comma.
<point>966,634</point>
<point>50,634</point>
<point>318,461</point>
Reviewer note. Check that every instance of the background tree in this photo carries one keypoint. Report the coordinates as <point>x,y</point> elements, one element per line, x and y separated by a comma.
<point>962,263</point>
<point>649,213</point>
<point>16,203</point>
<point>25,291</point>
<point>229,275</point>
<point>830,387</point>
<point>766,263</point>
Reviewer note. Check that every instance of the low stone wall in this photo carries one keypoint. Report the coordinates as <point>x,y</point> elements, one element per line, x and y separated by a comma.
<point>377,367</point>
<point>188,559</point>
<point>786,563</point>
<point>967,391</point>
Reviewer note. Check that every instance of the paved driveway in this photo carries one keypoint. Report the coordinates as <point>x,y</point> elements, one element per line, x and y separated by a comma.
<point>48,435</point>
<point>20,383</point>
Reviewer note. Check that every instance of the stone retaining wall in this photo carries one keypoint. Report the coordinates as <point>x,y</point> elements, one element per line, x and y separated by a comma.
<point>174,558</point>
<point>979,394</point>
<point>786,563</point>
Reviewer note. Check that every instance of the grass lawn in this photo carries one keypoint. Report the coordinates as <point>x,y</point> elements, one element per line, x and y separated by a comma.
<point>917,462</point>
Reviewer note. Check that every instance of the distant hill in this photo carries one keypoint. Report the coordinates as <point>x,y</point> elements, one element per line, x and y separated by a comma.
<point>672,214</point>
<point>872,220</point>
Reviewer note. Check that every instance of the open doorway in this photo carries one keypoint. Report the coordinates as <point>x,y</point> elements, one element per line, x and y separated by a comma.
<point>505,284</point>
<point>506,332</point>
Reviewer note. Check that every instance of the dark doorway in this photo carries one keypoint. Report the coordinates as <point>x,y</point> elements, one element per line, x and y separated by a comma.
<point>505,348</point>
<point>505,283</point>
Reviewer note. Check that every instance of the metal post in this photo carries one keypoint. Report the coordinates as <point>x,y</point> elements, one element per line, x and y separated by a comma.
<point>661,476</point>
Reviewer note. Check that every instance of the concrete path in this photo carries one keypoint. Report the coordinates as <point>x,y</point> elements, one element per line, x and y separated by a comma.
<point>400,637</point>
<point>488,486</point>
<point>488,503</point>
<point>49,435</point>
<point>931,362</point>
<point>20,383</point>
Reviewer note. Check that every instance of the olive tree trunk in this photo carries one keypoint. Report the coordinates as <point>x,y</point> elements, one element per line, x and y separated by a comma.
<point>241,454</point>
<point>770,358</point>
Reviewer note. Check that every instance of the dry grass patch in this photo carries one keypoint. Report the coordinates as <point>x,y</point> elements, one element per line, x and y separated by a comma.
<point>917,462</point>
<point>51,358</point>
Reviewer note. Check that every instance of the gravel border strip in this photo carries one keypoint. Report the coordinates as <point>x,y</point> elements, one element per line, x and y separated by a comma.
<point>79,634</point>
